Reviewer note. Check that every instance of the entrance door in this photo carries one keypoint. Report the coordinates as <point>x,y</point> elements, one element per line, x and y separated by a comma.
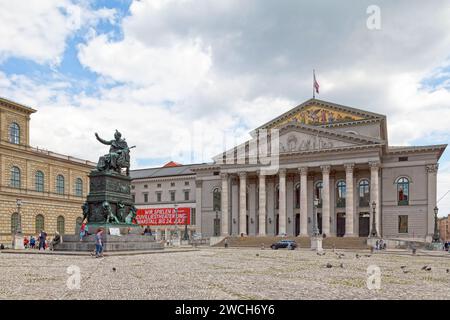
<point>277,225</point>
<point>364,224</point>
<point>319,221</point>
<point>246,224</point>
<point>340,225</point>
<point>297,224</point>
<point>216,227</point>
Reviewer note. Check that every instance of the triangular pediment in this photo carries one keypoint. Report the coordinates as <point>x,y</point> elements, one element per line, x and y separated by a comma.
<point>321,113</point>
<point>298,137</point>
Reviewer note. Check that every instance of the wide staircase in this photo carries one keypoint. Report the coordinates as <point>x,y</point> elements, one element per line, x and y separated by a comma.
<point>302,242</point>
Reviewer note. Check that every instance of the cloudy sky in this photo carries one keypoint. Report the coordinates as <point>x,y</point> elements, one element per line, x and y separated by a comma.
<point>183,78</point>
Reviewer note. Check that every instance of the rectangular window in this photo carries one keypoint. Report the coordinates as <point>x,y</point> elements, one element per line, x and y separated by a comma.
<point>403,224</point>
<point>186,196</point>
<point>172,195</point>
<point>186,183</point>
<point>145,197</point>
<point>172,184</point>
<point>134,197</point>
<point>158,197</point>
<point>403,159</point>
<point>158,185</point>
<point>145,186</point>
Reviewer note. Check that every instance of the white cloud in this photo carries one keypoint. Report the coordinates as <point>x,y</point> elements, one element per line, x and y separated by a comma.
<point>38,29</point>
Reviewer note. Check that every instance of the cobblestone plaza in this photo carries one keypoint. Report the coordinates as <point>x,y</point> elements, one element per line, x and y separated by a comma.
<point>227,274</point>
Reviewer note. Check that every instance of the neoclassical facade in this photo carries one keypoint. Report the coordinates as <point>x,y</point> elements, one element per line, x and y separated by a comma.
<point>46,188</point>
<point>326,158</point>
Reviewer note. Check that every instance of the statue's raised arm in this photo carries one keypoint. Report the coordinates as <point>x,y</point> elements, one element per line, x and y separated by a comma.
<point>101,140</point>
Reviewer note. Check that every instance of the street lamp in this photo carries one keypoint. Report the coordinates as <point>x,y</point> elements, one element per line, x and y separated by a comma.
<point>315,227</point>
<point>176,219</point>
<point>19,218</point>
<point>436,237</point>
<point>373,232</point>
<point>186,236</point>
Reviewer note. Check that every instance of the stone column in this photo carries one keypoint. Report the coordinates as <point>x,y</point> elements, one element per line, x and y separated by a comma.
<point>325,200</point>
<point>242,203</point>
<point>432,184</point>
<point>224,205</point>
<point>282,201</point>
<point>349,205</point>
<point>262,204</point>
<point>234,206</point>
<point>198,206</point>
<point>375,196</point>
<point>303,201</point>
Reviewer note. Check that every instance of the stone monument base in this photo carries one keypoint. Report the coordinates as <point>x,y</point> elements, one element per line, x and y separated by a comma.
<point>128,242</point>
<point>123,228</point>
<point>316,243</point>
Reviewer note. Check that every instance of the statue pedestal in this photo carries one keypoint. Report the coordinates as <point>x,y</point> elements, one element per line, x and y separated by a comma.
<point>112,187</point>
<point>316,243</point>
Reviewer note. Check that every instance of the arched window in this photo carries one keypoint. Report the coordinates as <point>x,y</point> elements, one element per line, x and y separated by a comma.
<point>14,133</point>
<point>364,193</point>
<point>60,224</point>
<point>14,222</point>
<point>216,199</point>
<point>60,184</point>
<point>78,223</point>
<point>403,191</point>
<point>79,187</point>
<point>15,177</point>
<point>318,193</point>
<point>340,194</point>
<point>39,223</point>
<point>39,181</point>
<point>297,196</point>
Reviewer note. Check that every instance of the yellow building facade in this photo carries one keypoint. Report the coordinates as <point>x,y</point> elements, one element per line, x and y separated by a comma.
<point>39,189</point>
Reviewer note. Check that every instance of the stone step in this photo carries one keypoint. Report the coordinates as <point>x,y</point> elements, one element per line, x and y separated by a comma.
<point>302,242</point>
<point>130,242</point>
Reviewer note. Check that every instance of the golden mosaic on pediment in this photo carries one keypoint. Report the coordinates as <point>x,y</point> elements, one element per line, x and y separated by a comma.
<point>317,115</point>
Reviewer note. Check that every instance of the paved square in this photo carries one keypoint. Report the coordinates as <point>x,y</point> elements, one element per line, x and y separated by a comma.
<point>225,274</point>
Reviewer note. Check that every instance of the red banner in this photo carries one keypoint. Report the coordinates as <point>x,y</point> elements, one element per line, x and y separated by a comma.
<point>163,216</point>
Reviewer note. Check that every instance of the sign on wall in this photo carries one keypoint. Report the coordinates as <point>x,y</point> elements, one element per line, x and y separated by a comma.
<point>163,216</point>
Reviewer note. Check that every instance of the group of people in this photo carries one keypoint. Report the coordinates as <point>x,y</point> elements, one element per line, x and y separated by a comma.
<point>40,242</point>
<point>380,245</point>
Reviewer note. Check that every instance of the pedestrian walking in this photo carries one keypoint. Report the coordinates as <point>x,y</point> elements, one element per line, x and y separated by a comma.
<point>42,239</point>
<point>99,243</point>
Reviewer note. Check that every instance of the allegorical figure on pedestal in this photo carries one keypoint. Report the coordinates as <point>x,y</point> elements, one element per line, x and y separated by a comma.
<point>118,156</point>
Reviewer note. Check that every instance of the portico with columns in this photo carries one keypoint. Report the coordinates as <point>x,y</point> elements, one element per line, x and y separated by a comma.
<point>337,154</point>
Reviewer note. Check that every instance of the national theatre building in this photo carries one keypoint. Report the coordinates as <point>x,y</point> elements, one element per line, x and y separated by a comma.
<point>331,159</point>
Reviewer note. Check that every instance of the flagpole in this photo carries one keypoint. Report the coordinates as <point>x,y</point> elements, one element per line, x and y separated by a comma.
<point>314,93</point>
